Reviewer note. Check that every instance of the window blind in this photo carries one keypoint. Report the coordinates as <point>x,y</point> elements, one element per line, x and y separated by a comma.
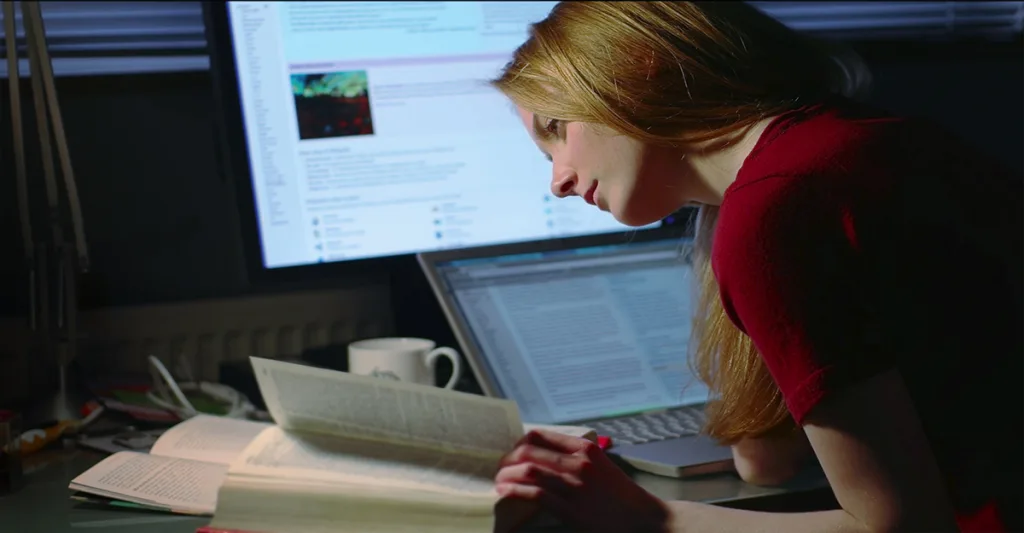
<point>95,38</point>
<point>900,20</point>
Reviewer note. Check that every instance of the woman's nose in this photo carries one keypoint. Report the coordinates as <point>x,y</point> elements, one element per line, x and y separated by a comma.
<point>564,184</point>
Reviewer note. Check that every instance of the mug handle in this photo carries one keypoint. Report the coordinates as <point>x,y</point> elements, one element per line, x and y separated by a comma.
<point>452,356</point>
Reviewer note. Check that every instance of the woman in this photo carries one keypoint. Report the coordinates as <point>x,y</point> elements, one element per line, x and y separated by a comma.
<point>860,273</point>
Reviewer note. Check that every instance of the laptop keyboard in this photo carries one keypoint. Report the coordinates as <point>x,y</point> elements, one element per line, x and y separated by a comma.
<point>652,427</point>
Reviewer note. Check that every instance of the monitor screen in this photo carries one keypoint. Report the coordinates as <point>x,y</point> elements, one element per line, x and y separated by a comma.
<point>371,130</point>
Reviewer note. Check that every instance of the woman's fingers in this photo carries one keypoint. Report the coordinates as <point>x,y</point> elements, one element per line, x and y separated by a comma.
<point>547,488</point>
<point>527,453</point>
<point>549,471</point>
<point>539,475</point>
<point>576,464</point>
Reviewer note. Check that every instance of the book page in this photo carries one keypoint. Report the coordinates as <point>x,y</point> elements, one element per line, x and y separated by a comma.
<point>179,485</point>
<point>573,431</point>
<point>307,399</point>
<point>212,439</point>
<point>313,457</point>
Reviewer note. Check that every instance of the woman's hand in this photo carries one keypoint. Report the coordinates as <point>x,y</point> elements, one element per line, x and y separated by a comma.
<point>575,481</point>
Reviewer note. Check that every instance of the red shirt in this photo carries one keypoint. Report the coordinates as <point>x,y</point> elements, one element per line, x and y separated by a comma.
<point>852,243</point>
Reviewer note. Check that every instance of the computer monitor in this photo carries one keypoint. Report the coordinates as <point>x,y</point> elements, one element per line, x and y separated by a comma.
<point>361,130</point>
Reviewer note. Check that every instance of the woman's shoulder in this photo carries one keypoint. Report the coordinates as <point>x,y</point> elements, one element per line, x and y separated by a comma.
<point>843,156</point>
<point>840,156</point>
<point>834,138</point>
<point>813,171</point>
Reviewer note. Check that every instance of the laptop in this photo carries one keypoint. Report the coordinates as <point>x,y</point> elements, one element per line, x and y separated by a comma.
<point>587,331</point>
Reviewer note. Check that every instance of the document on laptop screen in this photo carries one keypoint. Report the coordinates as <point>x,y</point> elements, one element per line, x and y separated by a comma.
<point>574,340</point>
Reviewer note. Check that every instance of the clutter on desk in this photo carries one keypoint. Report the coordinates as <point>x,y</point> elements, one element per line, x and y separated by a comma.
<point>47,432</point>
<point>124,412</point>
<point>158,398</point>
<point>44,433</point>
<point>129,440</point>
<point>187,399</point>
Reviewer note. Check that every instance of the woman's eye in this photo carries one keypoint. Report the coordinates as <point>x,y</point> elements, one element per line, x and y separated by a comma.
<point>552,126</point>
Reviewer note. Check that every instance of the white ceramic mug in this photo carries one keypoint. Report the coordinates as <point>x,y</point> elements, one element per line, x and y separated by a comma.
<point>401,358</point>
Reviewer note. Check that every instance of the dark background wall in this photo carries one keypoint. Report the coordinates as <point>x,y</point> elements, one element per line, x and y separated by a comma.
<point>161,219</point>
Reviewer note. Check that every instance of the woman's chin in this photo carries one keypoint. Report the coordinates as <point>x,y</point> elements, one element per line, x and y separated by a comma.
<point>635,221</point>
<point>634,217</point>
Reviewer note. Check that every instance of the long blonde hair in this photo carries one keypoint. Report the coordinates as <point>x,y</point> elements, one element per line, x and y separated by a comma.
<point>676,74</point>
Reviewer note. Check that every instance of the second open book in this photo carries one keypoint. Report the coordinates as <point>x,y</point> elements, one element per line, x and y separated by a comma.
<point>347,453</point>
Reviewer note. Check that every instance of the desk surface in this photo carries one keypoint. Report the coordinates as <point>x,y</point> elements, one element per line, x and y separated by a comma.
<point>42,504</point>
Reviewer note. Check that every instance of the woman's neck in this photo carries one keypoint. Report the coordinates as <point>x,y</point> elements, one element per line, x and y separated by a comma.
<point>715,164</point>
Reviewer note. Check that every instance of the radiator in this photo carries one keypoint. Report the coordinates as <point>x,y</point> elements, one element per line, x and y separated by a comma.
<point>199,335</point>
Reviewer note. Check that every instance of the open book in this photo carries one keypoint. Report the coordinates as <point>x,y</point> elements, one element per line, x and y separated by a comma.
<point>347,453</point>
<point>181,473</point>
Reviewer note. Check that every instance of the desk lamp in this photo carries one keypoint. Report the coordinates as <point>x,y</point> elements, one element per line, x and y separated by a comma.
<point>55,256</point>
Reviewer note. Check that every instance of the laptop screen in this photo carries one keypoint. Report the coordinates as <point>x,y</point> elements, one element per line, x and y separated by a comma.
<point>581,334</point>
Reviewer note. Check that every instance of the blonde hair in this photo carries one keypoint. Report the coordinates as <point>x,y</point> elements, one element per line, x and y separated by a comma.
<point>677,74</point>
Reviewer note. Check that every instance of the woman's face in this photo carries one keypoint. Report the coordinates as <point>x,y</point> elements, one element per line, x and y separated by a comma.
<point>637,183</point>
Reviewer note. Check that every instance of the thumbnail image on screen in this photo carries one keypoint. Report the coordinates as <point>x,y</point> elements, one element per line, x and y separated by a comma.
<point>332,104</point>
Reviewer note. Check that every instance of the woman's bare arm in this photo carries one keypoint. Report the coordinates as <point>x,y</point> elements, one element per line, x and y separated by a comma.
<point>772,459</point>
<point>873,450</point>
